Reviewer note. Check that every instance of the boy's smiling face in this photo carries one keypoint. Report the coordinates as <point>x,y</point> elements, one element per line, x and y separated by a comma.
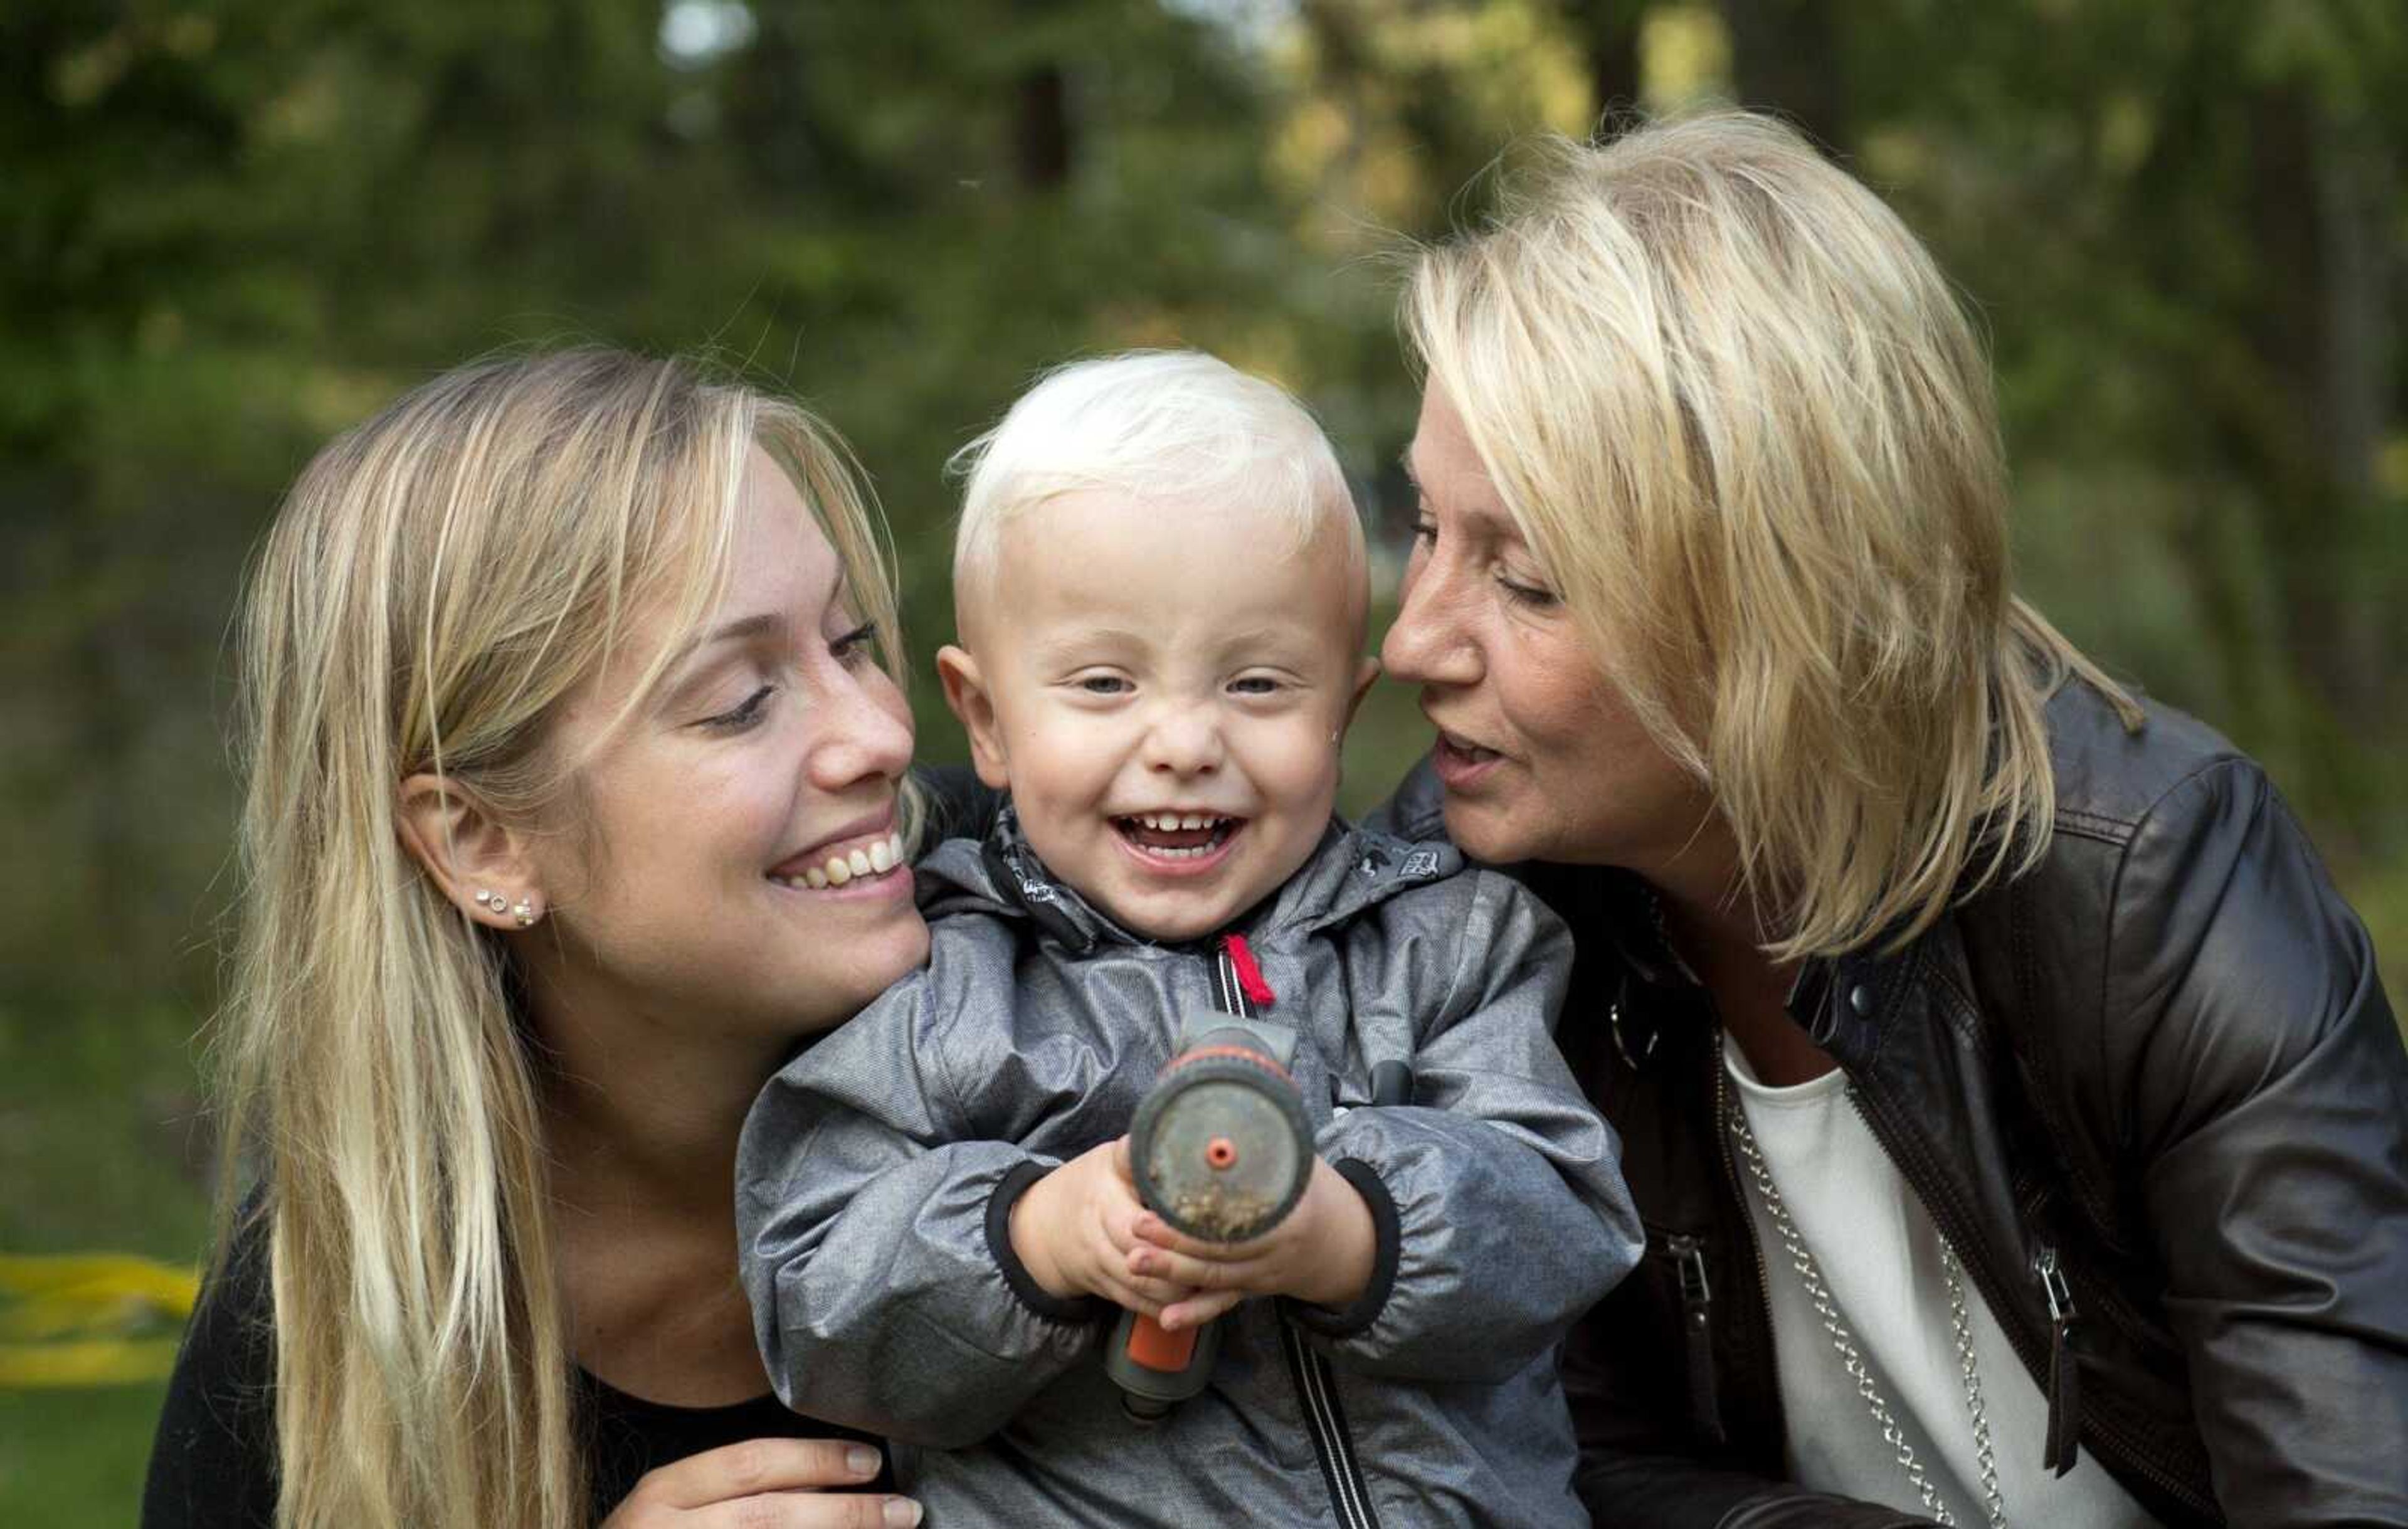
<point>1162,688</point>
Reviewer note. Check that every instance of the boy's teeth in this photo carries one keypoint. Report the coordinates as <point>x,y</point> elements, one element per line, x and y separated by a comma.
<point>1177,822</point>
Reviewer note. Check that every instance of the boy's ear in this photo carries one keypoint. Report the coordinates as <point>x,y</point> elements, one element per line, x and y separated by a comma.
<point>1364,675</point>
<point>967,693</point>
<point>475,861</point>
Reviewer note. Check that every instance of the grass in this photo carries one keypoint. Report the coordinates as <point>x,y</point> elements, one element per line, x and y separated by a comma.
<point>74,1459</point>
<point>98,1153</point>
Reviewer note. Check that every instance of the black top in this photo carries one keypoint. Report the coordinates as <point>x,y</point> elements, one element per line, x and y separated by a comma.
<point>213,1462</point>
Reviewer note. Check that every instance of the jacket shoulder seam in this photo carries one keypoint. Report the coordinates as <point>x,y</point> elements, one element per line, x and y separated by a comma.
<point>2089,824</point>
<point>2228,763</point>
<point>943,1016</point>
<point>1479,878</point>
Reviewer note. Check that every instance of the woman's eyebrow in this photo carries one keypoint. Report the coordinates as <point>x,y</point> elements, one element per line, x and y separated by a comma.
<point>760,624</point>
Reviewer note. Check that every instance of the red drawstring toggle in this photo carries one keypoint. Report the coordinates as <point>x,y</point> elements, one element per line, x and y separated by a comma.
<point>1250,977</point>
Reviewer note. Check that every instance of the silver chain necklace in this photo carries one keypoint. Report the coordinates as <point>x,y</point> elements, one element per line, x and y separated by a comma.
<point>1960,1319</point>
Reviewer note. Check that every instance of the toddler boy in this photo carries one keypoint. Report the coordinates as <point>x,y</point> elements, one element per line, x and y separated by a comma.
<point>1161,591</point>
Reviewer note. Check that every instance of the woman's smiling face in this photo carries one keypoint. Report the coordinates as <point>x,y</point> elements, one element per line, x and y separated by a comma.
<point>713,873</point>
<point>1541,757</point>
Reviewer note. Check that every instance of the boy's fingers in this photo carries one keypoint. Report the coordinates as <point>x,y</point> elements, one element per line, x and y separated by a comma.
<point>1127,1294</point>
<point>1121,1165</point>
<point>1159,1292</point>
<point>1197,1274</point>
<point>1158,1262</point>
<point>1154,1229</point>
<point>1121,1224</point>
<point>1197,1310</point>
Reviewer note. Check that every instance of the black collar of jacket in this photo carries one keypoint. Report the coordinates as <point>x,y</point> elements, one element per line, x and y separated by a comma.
<point>1840,1000</point>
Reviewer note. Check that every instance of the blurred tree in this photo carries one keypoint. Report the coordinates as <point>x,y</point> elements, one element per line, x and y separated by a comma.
<point>2185,226</point>
<point>1786,56</point>
<point>234,226</point>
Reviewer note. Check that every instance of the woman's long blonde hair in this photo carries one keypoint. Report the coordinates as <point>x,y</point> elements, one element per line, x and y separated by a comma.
<point>439,579</point>
<point>1738,412</point>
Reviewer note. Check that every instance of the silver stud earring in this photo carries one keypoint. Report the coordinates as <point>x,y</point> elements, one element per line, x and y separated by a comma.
<point>489,900</point>
<point>525,912</point>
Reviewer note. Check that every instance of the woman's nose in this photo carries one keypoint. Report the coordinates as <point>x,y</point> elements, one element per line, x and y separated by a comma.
<point>1183,739</point>
<point>1431,642</point>
<point>864,730</point>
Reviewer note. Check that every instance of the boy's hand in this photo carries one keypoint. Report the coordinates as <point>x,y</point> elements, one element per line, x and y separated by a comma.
<point>1322,1253</point>
<point>1075,1229</point>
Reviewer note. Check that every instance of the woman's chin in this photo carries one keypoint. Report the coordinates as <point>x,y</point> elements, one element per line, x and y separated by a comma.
<point>850,975</point>
<point>1483,829</point>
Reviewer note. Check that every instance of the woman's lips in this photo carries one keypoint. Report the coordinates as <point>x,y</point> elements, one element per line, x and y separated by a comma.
<point>1460,762</point>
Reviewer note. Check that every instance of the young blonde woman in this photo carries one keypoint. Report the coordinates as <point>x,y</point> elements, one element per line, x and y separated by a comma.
<point>2012,1103</point>
<point>574,804</point>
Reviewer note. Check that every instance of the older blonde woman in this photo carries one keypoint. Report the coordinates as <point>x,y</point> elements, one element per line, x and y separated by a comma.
<point>563,702</point>
<point>2012,1103</point>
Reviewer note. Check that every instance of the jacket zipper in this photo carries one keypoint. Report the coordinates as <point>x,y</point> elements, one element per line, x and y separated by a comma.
<point>1316,1392</point>
<point>1316,1388</point>
<point>2111,1440</point>
<point>1697,1335</point>
<point>2064,1431</point>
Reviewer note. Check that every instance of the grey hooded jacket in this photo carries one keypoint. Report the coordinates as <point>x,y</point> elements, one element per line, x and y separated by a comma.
<point>877,1173</point>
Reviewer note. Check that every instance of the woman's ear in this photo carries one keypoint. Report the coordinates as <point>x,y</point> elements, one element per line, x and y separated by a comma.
<point>967,693</point>
<point>477,861</point>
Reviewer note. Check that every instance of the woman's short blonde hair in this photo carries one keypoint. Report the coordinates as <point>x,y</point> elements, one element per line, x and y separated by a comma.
<point>438,583</point>
<point>1742,418</point>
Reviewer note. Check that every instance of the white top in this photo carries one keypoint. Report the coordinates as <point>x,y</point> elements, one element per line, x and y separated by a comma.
<point>1880,1256</point>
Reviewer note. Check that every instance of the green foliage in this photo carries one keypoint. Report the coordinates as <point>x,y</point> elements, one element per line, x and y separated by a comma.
<point>235,227</point>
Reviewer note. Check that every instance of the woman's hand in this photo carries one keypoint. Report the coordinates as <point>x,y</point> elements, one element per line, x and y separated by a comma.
<point>766,1483</point>
<point>1322,1254</point>
<point>1075,1230</point>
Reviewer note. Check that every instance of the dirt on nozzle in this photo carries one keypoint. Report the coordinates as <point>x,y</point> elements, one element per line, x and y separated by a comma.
<point>1219,1216</point>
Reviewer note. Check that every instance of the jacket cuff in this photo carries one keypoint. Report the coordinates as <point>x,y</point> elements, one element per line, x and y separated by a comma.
<point>1085,1308</point>
<point>1359,1314</point>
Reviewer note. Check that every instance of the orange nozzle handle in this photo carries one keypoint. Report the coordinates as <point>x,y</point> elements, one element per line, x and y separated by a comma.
<point>1156,1349</point>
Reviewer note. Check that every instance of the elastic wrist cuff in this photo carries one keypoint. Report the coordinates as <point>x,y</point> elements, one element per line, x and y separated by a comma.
<point>1360,1313</point>
<point>1085,1308</point>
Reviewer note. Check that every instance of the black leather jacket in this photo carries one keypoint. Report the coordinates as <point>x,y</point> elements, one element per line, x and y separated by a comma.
<point>2160,1062</point>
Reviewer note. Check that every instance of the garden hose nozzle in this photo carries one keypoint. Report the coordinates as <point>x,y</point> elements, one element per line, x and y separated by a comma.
<point>1221,1151</point>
